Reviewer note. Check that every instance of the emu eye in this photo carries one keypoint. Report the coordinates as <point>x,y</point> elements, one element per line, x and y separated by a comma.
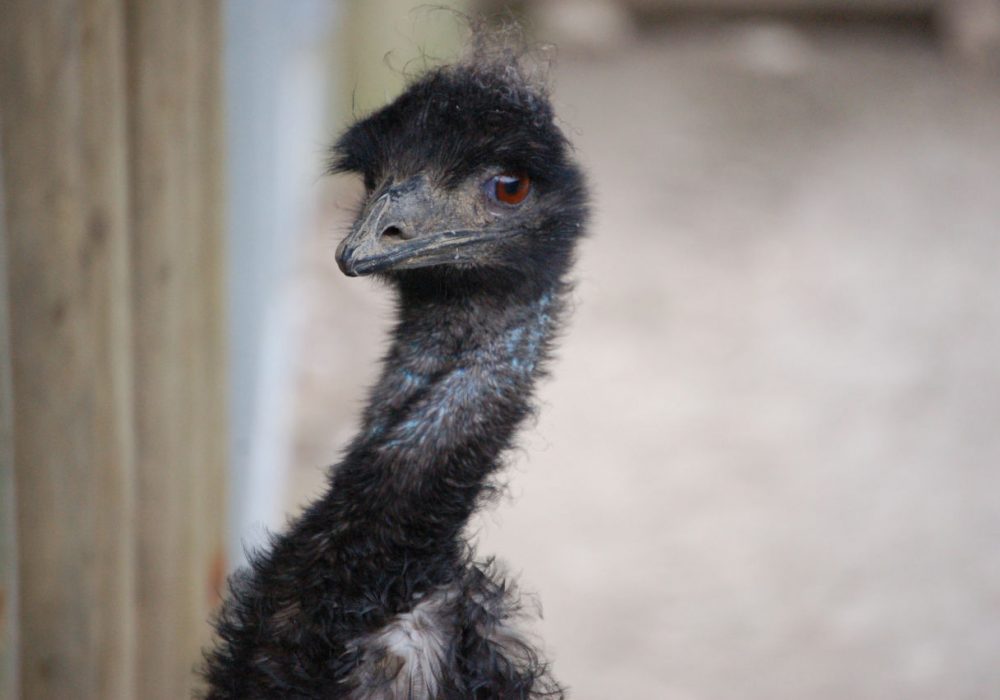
<point>508,188</point>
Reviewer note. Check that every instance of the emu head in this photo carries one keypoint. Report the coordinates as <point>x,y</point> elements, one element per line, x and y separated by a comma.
<point>466,170</point>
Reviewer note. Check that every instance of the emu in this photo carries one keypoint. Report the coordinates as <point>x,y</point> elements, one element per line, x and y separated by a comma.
<point>472,210</point>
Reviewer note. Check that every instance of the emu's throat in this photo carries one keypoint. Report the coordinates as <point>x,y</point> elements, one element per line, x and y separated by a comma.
<point>456,384</point>
<point>459,374</point>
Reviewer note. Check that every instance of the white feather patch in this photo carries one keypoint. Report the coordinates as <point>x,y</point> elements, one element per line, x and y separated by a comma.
<point>405,659</point>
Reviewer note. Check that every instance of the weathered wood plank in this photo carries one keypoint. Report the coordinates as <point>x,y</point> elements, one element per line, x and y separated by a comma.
<point>208,459</point>
<point>64,149</point>
<point>175,153</point>
<point>214,308</point>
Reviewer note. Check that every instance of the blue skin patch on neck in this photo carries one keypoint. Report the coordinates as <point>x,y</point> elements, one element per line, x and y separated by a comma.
<point>440,391</point>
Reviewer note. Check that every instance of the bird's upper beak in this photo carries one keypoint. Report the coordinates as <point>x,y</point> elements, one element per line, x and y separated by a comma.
<point>406,227</point>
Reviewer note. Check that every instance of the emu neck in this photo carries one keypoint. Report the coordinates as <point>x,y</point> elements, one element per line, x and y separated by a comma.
<point>456,383</point>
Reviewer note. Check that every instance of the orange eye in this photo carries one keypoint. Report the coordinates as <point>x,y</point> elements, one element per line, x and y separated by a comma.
<point>509,189</point>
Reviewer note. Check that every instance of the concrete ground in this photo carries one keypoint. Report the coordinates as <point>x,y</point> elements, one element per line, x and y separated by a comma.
<point>768,463</point>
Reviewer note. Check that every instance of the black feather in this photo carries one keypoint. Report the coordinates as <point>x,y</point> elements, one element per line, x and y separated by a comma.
<point>456,384</point>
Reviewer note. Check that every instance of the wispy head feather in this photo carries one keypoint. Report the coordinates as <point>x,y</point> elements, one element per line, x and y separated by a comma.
<point>490,107</point>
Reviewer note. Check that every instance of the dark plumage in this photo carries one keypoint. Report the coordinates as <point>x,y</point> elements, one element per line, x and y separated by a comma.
<point>373,592</point>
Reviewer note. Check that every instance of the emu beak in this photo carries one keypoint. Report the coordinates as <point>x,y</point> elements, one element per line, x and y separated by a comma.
<point>406,227</point>
<point>389,233</point>
<point>364,245</point>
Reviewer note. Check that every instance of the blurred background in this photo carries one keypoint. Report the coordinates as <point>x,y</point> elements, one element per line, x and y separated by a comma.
<point>767,464</point>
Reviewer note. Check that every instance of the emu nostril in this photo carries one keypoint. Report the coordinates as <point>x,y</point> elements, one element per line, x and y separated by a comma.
<point>395,233</point>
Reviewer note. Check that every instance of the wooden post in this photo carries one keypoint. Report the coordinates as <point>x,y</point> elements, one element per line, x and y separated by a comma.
<point>174,57</point>
<point>111,143</point>
<point>63,136</point>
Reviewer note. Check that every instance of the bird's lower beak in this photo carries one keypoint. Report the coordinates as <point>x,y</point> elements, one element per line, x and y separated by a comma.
<point>363,256</point>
